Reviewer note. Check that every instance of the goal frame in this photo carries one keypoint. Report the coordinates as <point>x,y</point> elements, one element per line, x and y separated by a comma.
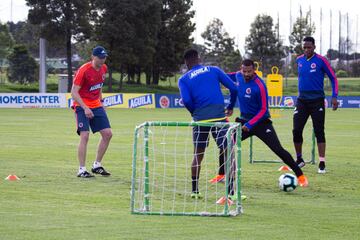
<point>147,194</point>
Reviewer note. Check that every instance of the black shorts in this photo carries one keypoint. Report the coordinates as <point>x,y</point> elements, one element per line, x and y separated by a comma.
<point>304,109</point>
<point>201,136</point>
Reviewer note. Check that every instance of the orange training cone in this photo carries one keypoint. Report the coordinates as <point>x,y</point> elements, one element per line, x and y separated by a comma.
<point>284,168</point>
<point>12,178</point>
<point>222,201</point>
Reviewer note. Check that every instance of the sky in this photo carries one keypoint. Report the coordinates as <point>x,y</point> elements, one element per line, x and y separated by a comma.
<point>237,16</point>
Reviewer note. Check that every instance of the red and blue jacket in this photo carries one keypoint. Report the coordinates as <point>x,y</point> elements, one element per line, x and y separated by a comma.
<point>311,77</point>
<point>253,99</point>
<point>201,94</point>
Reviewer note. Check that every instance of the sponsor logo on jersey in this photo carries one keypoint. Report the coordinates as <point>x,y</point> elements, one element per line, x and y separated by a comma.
<point>96,87</point>
<point>248,92</point>
<point>199,71</point>
<point>313,67</point>
<point>113,100</point>
<point>164,102</point>
<point>140,101</point>
<point>103,77</point>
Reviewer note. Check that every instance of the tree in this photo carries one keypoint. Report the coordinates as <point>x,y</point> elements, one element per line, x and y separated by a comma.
<point>173,38</point>
<point>6,41</point>
<point>28,34</point>
<point>132,50</point>
<point>332,54</point>
<point>263,45</point>
<point>61,21</point>
<point>302,27</point>
<point>220,47</point>
<point>355,68</point>
<point>22,67</point>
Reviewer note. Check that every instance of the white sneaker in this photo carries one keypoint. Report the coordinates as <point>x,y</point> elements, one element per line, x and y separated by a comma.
<point>321,169</point>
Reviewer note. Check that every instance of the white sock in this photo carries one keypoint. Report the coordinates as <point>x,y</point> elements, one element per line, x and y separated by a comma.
<point>82,169</point>
<point>96,164</point>
<point>322,159</point>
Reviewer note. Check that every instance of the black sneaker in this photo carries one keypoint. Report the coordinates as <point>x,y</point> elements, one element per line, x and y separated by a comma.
<point>321,169</point>
<point>300,162</point>
<point>101,171</point>
<point>85,174</point>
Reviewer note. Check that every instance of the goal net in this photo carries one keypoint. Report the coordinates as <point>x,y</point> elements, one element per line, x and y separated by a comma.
<point>161,171</point>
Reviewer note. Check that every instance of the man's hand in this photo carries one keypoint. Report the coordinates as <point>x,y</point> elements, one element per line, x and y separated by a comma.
<point>245,128</point>
<point>88,113</point>
<point>229,112</point>
<point>334,103</point>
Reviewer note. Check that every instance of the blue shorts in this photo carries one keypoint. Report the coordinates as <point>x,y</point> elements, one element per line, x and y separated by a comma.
<point>99,122</point>
<point>201,136</point>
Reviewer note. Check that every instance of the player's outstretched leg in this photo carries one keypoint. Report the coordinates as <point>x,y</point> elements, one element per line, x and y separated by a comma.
<point>268,135</point>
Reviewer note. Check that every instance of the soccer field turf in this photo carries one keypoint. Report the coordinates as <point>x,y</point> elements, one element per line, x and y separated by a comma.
<point>50,202</point>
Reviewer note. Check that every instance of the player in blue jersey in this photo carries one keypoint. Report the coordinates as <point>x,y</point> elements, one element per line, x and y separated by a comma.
<point>201,94</point>
<point>255,116</point>
<point>311,70</point>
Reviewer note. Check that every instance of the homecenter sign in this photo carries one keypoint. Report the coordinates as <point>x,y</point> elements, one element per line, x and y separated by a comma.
<point>133,100</point>
<point>32,100</point>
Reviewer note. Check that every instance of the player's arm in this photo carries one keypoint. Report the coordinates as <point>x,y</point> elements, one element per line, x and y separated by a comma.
<point>76,96</point>
<point>101,98</point>
<point>229,84</point>
<point>101,92</point>
<point>185,96</point>
<point>232,76</point>
<point>263,107</point>
<point>78,81</point>
<point>334,83</point>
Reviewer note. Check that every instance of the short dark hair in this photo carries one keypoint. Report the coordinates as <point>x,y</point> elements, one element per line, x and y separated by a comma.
<point>248,63</point>
<point>309,39</point>
<point>191,54</point>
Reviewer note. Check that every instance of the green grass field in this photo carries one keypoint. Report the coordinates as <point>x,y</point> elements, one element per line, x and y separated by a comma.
<point>50,202</point>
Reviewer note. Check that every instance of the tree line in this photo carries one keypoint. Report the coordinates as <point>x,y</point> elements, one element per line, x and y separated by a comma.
<point>143,38</point>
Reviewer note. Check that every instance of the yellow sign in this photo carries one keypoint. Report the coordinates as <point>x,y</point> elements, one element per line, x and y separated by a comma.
<point>274,83</point>
<point>259,73</point>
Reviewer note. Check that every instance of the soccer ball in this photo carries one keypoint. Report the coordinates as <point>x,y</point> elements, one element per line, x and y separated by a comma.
<point>287,182</point>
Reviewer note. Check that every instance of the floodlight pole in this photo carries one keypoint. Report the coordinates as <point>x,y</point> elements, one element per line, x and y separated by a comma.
<point>42,70</point>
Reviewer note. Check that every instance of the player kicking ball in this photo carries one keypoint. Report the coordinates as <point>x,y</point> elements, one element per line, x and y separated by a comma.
<point>255,116</point>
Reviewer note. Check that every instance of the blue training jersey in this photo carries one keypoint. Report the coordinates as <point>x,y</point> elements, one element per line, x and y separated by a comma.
<point>201,94</point>
<point>311,77</point>
<point>253,99</point>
